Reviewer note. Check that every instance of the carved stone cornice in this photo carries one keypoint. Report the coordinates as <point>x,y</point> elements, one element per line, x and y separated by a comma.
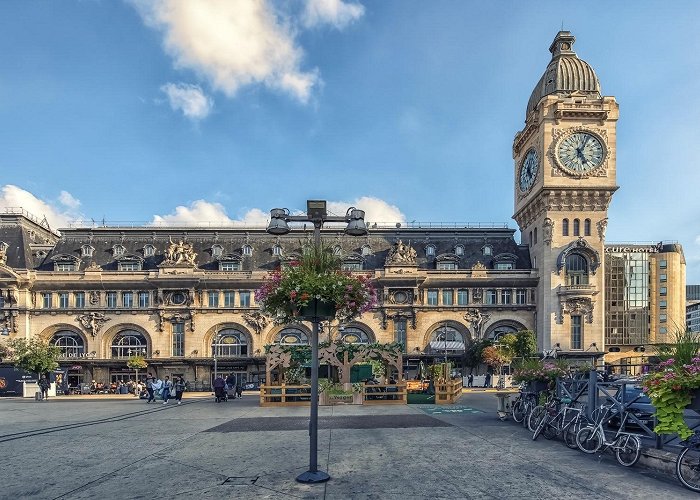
<point>175,317</point>
<point>407,313</point>
<point>522,137</point>
<point>564,200</point>
<point>576,305</point>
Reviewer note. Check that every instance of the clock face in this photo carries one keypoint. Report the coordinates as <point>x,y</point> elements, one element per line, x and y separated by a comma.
<point>528,170</point>
<point>580,153</point>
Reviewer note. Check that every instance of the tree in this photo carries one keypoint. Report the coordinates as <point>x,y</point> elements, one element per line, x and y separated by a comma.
<point>522,344</point>
<point>34,355</point>
<point>136,363</point>
<point>473,353</point>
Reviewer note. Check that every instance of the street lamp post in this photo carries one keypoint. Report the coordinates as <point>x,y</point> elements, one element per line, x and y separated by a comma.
<point>317,214</point>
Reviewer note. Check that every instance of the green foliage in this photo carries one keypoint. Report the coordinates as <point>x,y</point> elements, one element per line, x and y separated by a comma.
<point>136,363</point>
<point>534,370</point>
<point>34,355</point>
<point>524,343</point>
<point>317,276</point>
<point>440,371</point>
<point>496,356</point>
<point>5,351</point>
<point>684,347</point>
<point>473,353</point>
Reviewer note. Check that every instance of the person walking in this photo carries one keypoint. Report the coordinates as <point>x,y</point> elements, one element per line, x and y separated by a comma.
<point>167,389</point>
<point>239,391</point>
<point>487,380</point>
<point>470,380</point>
<point>44,387</point>
<point>180,386</point>
<point>149,388</point>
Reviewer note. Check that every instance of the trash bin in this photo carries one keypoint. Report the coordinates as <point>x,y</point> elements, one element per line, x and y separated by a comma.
<point>38,396</point>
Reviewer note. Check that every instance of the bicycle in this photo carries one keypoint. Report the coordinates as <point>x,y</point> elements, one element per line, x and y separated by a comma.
<point>560,422</point>
<point>688,463</point>
<point>523,405</point>
<point>627,446</point>
<point>538,413</point>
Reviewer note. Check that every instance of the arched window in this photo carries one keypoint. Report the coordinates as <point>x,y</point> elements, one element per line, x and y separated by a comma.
<point>247,250</point>
<point>459,250</point>
<point>576,269</point>
<point>487,250</point>
<point>577,227</point>
<point>292,336</point>
<point>230,342</point>
<point>70,343</point>
<point>430,251</point>
<point>216,251</point>
<point>499,331</point>
<point>353,335</point>
<point>366,250</point>
<point>337,251</point>
<point>446,339</point>
<point>276,250</point>
<point>587,227</point>
<point>129,343</point>
<point>565,227</point>
<point>149,251</point>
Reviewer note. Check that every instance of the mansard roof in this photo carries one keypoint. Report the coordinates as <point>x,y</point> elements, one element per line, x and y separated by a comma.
<point>444,240</point>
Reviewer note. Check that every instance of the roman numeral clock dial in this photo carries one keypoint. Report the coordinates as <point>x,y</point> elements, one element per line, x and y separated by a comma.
<point>580,153</point>
<point>528,170</point>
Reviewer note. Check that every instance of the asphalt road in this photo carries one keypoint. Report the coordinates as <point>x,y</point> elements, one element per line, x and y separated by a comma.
<point>93,448</point>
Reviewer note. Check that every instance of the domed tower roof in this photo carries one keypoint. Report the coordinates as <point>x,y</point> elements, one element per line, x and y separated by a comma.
<point>565,74</point>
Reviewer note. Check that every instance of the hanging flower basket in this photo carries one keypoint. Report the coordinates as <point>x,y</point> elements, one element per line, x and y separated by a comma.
<point>315,289</point>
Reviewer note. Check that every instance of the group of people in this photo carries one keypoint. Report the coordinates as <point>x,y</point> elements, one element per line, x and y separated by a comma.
<point>165,388</point>
<point>228,387</point>
<point>487,380</point>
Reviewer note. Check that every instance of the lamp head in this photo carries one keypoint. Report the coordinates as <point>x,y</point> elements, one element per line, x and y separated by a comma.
<point>356,225</point>
<point>278,222</point>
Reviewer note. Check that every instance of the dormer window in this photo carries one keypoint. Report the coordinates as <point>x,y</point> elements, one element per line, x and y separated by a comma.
<point>149,251</point>
<point>65,263</point>
<point>130,263</point>
<point>86,250</point>
<point>118,250</point>
<point>64,266</point>
<point>447,262</point>
<point>229,265</point>
<point>337,250</point>
<point>366,250</point>
<point>276,250</point>
<point>430,251</point>
<point>247,250</point>
<point>216,251</point>
<point>447,266</point>
<point>504,261</point>
<point>459,250</point>
<point>487,250</point>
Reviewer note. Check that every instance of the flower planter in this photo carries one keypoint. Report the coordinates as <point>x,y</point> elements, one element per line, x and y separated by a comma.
<point>537,386</point>
<point>317,310</point>
<point>695,402</point>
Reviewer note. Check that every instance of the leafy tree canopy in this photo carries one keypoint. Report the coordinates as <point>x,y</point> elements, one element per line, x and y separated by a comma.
<point>34,355</point>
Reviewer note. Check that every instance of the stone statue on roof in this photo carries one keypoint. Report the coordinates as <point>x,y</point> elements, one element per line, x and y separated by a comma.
<point>181,253</point>
<point>401,253</point>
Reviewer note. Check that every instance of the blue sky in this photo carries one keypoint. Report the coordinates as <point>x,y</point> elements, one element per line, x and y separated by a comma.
<point>186,111</point>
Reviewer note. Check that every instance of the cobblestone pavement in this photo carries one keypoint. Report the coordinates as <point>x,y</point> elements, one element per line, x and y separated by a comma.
<point>124,448</point>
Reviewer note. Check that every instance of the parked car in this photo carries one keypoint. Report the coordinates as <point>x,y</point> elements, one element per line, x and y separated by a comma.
<point>641,407</point>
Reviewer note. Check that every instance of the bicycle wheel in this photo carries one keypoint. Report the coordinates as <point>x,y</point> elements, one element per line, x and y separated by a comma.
<point>688,468</point>
<point>536,415</point>
<point>628,450</point>
<point>572,429</point>
<point>540,426</point>
<point>588,439</point>
<point>551,427</point>
<point>519,411</point>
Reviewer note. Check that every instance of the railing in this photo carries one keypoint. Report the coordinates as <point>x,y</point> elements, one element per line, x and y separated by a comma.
<point>385,394</point>
<point>448,392</point>
<point>285,395</point>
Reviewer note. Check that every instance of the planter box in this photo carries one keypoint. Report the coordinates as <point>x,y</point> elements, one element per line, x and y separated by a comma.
<point>537,386</point>
<point>317,310</point>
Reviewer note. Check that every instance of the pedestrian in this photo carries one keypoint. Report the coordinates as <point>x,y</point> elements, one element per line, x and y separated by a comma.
<point>44,387</point>
<point>220,388</point>
<point>487,380</point>
<point>167,388</point>
<point>239,390</point>
<point>180,386</point>
<point>470,380</point>
<point>231,384</point>
<point>149,388</point>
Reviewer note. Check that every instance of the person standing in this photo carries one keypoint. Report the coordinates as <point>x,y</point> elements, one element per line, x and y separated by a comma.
<point>470,380</point>
<point>149,388</point>
<point>167,389</point>
<point>179,388</point>
<point>44,387</point>
<point>487,380</point>
<point>239,391</point>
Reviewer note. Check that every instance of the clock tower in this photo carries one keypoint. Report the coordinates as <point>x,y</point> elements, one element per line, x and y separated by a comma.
<point>564,181</point>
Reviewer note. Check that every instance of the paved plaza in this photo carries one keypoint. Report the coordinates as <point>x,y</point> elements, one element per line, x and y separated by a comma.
<point>110,449</point>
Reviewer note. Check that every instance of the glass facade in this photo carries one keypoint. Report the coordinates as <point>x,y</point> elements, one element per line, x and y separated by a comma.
<point>627,298</point>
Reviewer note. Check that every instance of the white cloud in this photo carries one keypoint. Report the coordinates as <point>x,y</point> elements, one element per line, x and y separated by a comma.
<point>334,12</point>
<point>57,214</point>
<point>68,200</point>
<point>202,213</point>
<point>190,99</point>
<point>205,213</point>
<point>231,44</point>
<point>376,210</point>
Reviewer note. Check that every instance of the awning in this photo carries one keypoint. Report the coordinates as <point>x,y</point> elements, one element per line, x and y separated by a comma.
<point>441,345</point>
